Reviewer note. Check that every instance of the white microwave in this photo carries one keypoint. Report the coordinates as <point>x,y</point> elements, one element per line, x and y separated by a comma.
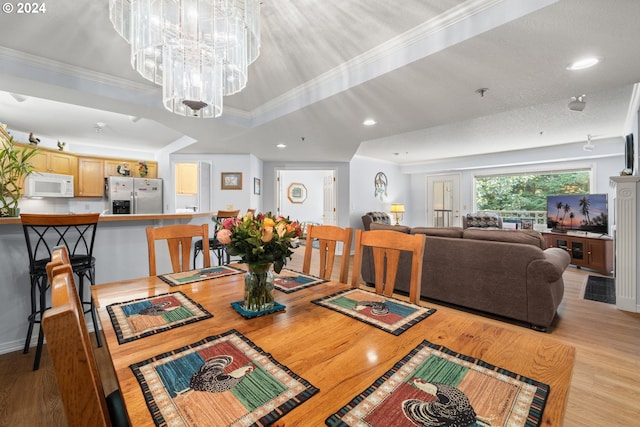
<point>39,184</point>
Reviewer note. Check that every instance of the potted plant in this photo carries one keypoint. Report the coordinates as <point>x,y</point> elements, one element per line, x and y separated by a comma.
<point>15,165</point>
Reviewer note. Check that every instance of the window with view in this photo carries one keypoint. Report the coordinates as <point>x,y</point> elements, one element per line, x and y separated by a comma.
<point>524,196</point>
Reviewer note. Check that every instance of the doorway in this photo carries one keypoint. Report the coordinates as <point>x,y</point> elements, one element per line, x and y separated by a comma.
<point>308,195</point>
<point>443,201</point>
<point>192,186</point>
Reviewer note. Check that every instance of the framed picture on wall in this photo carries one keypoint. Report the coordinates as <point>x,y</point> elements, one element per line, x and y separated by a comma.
<point>256,185</point>
<point>297,192</point>
<point>231,180</point>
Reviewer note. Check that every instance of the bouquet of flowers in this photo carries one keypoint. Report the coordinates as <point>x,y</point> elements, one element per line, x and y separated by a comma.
<point>260,239</point>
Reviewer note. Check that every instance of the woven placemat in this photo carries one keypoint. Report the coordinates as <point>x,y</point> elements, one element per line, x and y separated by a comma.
<point>150,315</point>
<point>222,380</point>
<point>435,386</point>
<point>389,314</point>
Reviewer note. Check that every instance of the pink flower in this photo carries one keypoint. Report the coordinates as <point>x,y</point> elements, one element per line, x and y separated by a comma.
<point>224,236</point>
<point>228,224</point>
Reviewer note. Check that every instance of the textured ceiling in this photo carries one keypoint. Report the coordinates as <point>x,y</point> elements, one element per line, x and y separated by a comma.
<point>325,66</point>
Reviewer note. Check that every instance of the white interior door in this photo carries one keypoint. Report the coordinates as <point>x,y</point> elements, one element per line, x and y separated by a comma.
<point>329,205</point>
<point>443,201</point>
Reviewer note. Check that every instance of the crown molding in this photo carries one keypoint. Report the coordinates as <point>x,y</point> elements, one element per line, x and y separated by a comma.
<point>419,42</point>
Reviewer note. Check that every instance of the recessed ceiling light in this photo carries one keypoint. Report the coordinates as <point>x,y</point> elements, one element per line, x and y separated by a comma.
<point>581,64</point>
<point>369,122</point>
<point>281,145</point>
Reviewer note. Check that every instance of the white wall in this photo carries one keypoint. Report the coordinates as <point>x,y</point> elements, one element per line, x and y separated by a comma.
<point>312,208</point>
<point>342,176</point>
<point>221,199</point>
<point>363,198</point>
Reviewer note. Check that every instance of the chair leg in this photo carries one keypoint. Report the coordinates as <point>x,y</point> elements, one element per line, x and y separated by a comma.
<point>32,316</point>
<point>195,255</point>
<point>36,361</point>
<point>40,283</point>
<point>92,308</point>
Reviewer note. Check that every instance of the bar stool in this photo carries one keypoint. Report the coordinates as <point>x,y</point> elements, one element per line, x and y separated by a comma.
<point>44,232</point>
<point>215,246</point>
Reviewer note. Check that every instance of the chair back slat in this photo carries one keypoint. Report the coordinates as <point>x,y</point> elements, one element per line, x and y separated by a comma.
<point>179,239</point>
<point>328,237</point>
<point>72,355</point>
<point>386,247</point>
<point>43,232</point>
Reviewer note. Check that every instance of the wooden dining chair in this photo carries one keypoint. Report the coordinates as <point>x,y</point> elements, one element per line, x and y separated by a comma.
<point>73,360</point>
<point>386,246</point>
<point>179,238</point>
<point>328,237</point>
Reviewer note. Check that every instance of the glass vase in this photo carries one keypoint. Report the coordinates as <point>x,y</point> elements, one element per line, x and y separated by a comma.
<point>258,287</point>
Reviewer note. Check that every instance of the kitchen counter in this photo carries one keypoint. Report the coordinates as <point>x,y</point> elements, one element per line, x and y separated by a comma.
<point>133,217</point>
<point>120,250</point>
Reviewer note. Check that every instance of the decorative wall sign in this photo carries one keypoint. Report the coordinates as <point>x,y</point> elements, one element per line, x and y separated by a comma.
<point>231,180</point>
<point>297,192</point>
<point>380,182</point>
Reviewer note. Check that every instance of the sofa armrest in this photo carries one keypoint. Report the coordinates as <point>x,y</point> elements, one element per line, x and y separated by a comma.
<point>374,217</point>
<point>545,286</point>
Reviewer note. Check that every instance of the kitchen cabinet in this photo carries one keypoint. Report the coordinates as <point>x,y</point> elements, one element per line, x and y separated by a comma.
<point>186,178</point>
<point>111,168</point>
<point>90,177</point>
<point>55,162</point>
<point>595,253</point>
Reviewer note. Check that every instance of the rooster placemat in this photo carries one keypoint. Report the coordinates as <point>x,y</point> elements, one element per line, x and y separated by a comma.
<point>222,380</point>
<point>150,315</point>
<point>389,314</point>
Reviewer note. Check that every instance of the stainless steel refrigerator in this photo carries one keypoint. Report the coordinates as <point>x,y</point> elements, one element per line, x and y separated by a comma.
<point>128,195</point>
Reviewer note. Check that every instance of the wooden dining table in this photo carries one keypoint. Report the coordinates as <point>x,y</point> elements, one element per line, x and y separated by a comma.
<point>336,353</point>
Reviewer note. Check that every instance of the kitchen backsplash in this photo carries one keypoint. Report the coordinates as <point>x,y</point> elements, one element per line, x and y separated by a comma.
<point>62,205</point>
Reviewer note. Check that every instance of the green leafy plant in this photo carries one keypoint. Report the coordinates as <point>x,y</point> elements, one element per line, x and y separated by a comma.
<point>15,165</point>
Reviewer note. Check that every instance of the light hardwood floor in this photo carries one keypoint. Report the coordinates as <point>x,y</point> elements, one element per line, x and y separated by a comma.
<point>605,388</point>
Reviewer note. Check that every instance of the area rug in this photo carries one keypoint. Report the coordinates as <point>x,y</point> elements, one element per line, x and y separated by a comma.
<point>222,380</point>
<point>289,281</point>
<point>435,386</point>
<point>601,289</point>
<point>389,314</point>
<point>192,276</point>
<point>150,315</point>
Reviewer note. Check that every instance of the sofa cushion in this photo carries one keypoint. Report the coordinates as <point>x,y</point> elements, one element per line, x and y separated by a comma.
<point>528,237</point>
<point>400,228</point>
<point>438,231</point>
<point>481,220</point>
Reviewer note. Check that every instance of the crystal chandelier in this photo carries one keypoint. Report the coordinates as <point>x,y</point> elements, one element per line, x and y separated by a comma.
<point>198,50</point>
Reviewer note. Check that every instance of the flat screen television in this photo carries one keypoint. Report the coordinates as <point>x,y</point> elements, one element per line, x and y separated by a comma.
<point>578,212</point>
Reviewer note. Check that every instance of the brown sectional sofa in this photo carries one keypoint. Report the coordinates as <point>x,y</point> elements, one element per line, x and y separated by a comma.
<point>501,272</point>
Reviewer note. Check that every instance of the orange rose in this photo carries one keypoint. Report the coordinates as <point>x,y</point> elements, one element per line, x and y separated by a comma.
<point>224,236</point>
<point>267,234</point>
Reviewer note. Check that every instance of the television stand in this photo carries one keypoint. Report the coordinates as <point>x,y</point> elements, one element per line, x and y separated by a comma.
<point>595,253</point>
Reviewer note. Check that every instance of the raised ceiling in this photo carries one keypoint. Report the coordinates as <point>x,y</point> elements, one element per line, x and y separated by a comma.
<point>324,67</point>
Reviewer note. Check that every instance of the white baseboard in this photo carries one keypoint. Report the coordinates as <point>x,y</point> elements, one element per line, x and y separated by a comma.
<point>11,346</point>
